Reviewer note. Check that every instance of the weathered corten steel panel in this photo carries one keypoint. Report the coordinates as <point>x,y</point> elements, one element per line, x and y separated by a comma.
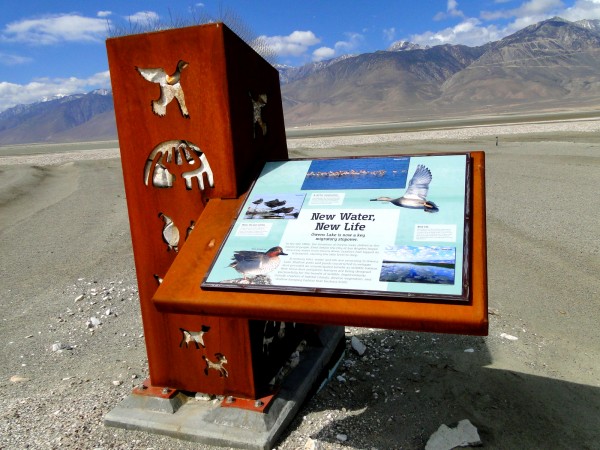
<point>198,112</point>
<point>194,262</point>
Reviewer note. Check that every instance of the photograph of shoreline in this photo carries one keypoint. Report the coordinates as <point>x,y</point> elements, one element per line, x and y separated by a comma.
<point>411,264</point>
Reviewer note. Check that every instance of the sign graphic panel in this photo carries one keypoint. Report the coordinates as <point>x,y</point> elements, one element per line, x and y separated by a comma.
<point>393,227</point>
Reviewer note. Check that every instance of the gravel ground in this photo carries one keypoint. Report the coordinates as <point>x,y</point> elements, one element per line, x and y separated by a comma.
<point>72,343</point>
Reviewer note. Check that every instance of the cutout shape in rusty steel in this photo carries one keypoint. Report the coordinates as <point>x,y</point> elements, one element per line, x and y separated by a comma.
<point>170,233</point>
<point>218,365</point>
<point>257,106</point>
<point>197,337</point>
<point>170,88</point>
<point>171,159</point>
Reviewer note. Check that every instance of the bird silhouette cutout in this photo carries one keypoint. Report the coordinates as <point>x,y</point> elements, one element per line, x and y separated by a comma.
<point>170,88</point>
<point>252,263</point>
<point>257,106</point>
<point>415,196</point>
<point>170,233</point>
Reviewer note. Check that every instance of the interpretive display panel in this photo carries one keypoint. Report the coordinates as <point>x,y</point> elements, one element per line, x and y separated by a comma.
<point>391,227</point>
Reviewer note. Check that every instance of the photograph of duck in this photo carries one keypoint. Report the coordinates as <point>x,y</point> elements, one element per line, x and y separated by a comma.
<point>415,196</point>
<point>255,265</point>
<point>275,206</point>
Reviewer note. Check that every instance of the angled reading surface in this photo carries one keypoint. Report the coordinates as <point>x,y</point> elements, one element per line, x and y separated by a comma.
<point>420,303</point>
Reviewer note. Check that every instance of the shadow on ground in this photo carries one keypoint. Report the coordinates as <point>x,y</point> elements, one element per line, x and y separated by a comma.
<point>407,384</point>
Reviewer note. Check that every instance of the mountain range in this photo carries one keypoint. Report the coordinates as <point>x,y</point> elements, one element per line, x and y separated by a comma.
<point>551,65</point>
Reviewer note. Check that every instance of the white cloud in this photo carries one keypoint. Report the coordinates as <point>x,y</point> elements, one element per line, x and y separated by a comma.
<point>583,9</point>
<point>143,18</point>
<point>478,31</point>
<point>13,60</point>
<point>12,94</point>
<point>468,32</point>
<point>451,11</point>
<point>54,29</point>
<point>104,13</point>
<point>389,34</point>
<point>340,47</point>
<point>294,44</point>
<point>323,53</point>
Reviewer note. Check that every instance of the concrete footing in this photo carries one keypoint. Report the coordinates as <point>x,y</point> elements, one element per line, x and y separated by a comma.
<point>185,417</point>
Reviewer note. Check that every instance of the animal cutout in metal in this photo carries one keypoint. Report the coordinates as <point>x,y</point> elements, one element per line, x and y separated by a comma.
<point>197,337</point>
<point>269,334</point>
<point>289,365</point>
<point>170,233</point>
<point>177,159</point>
<point>170,88</point>
<point>257,106</point>
<point>218,365</point>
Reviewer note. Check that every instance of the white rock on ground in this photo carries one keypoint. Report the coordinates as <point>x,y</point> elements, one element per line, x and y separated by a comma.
<point>358,346</point>
<point>445,438</point>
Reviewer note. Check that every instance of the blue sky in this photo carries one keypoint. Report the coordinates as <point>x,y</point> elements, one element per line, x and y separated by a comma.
<point>57,47</point>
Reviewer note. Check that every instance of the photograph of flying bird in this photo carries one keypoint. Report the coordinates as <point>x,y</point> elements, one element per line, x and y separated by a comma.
<point>252,263</point>
<point>169,88</point>
<point>415,196</point>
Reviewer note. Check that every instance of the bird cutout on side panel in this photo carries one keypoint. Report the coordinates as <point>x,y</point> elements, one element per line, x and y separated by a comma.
<point>415,196</point>
<point>257,106</point>
<point>170,88</point>
<point>252,264</point>
<point>170,233</point>
<point>197,337</point>
<point>171,160</point>
<point>218,365</point>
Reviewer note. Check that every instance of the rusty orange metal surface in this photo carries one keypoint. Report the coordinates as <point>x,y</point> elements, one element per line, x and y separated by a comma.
<point>201,110</point>
<point>181,292</point>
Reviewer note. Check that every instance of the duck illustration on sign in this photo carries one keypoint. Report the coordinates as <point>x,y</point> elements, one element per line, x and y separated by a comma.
<point>415,196</point>
<point>252,264</point>
<point>170,88</point>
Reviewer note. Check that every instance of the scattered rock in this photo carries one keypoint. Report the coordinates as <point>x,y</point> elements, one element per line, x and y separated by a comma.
<point>93,322</point>
<point>58,347</point>
<point>509,337</point>
<point>79,298</point>
<point>341,437</point>
<point>117,382</point>
<point>358,346</point>
<point>312,444</point>
<point>445,438</point>
<point>469,350</point>
<point>201,396</point>
<point>18,379</point>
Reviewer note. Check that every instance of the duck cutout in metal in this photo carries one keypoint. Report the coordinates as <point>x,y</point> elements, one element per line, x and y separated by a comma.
<point>257,106</point>
<point>170,88</point>
<point>177,159</point>
<point>170,233</point>
<point>252,263</point>
<point>415,196</point>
